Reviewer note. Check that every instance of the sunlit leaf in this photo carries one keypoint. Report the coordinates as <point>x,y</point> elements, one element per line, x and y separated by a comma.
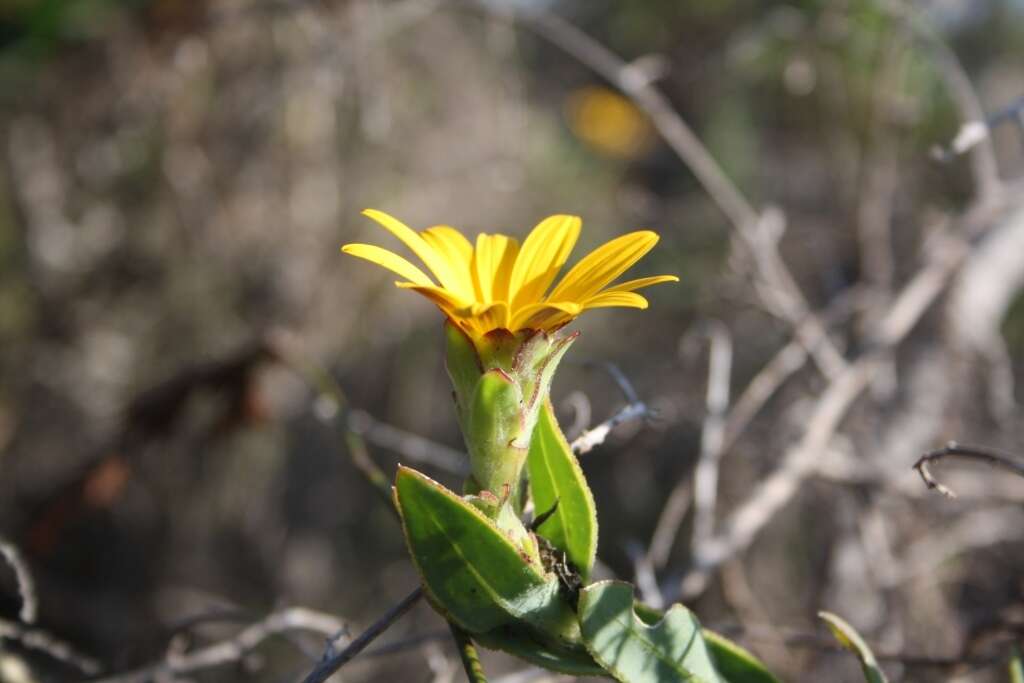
<point>473,573</point>
<point>851,640</point>
<point>734,663</point>
<point>633,651</point>
<point>556,478</point>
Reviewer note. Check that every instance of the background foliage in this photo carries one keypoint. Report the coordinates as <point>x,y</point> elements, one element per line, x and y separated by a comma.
<point>176,178</point>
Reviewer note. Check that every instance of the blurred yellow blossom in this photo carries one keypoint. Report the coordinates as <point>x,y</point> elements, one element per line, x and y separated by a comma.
<point>608,122</point>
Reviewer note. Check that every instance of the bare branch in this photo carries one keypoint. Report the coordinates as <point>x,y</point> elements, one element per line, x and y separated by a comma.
<point>331,400</point>
<point>758,231</point>
<point>579,403</point>
<point>236,648</point>
<point>23,577</point>
<point>954,450</point>
<point>705,478</point>
<point>586,441</point>
<point>620,379</point>
<point>802,460</point>
<point>984,165</point>
<point>409,445</point>
<point>637,85</point>
<point>332,661</point>
<point>42,641</point>
<point>667,527</point>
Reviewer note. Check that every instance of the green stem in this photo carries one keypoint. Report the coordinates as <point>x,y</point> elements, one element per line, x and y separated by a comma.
<point>469,655</point>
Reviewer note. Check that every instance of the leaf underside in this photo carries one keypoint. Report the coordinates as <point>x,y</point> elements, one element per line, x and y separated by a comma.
<point>634,652</point>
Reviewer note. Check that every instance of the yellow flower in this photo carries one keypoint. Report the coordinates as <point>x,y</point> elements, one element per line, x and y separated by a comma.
<point>502,285</point>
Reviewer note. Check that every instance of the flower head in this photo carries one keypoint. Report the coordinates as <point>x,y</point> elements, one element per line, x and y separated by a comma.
<point>498,284</point>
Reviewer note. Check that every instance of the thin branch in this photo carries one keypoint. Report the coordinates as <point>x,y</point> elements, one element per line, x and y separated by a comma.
<point>758,231</point>
<point>409,445</point>
<point>643,575</point>
<point>635,409</point>
<point>984,164</point>
<point>596,436</point>
<point>469,655</point>
<point>233,649</point>
<point>761,388</point>
<point>705,478</point>
<point>636,84</point>
<point>952,449</point>
<point>619,377</point>
<point>330,401</point>
<point>23,577</point>
<point>800,461</point>
<point>582,411</point>
<point>332,661</point>
<point>42,641</point>
<point>786,362</point>
<point>667,528</point>
<point>972,133</point>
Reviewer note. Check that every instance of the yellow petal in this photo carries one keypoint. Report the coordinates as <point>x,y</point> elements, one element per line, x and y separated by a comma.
<point>390,260</point>
<point>437,263</point>
<point>604,264</point>
<point>444,298</point>
<point>639,283</point>
<point>535,316</point>
<point>493,260</point>
<point>541,257</point>
<point>450,244</point>
<point>492,316</point>
<point>610,298</point>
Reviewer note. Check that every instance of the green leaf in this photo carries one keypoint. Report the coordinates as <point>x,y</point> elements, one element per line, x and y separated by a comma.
<point>851,640</point>
<point>734,663</point>
<point>473,573</point>
<point>523,643</point>
<point>1016,667</point>
<point>555,476</point>
<point>634,652</point>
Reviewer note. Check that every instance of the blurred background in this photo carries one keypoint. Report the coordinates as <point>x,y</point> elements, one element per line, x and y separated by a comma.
<point>176,179</point>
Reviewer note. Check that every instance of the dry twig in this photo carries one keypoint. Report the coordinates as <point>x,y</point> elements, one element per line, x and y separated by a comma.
<point>712,438</point>
<point>758,231</point>
<point>743,525</point>
<point>41,641</point>
<point>332,661</point>
<point>591,438</point>
<point>236,648</point>
<point>952,449</point>
<point>23,577</point>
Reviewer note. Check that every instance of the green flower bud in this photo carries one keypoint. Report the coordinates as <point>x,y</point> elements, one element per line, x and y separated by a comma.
<point>501,380</point>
